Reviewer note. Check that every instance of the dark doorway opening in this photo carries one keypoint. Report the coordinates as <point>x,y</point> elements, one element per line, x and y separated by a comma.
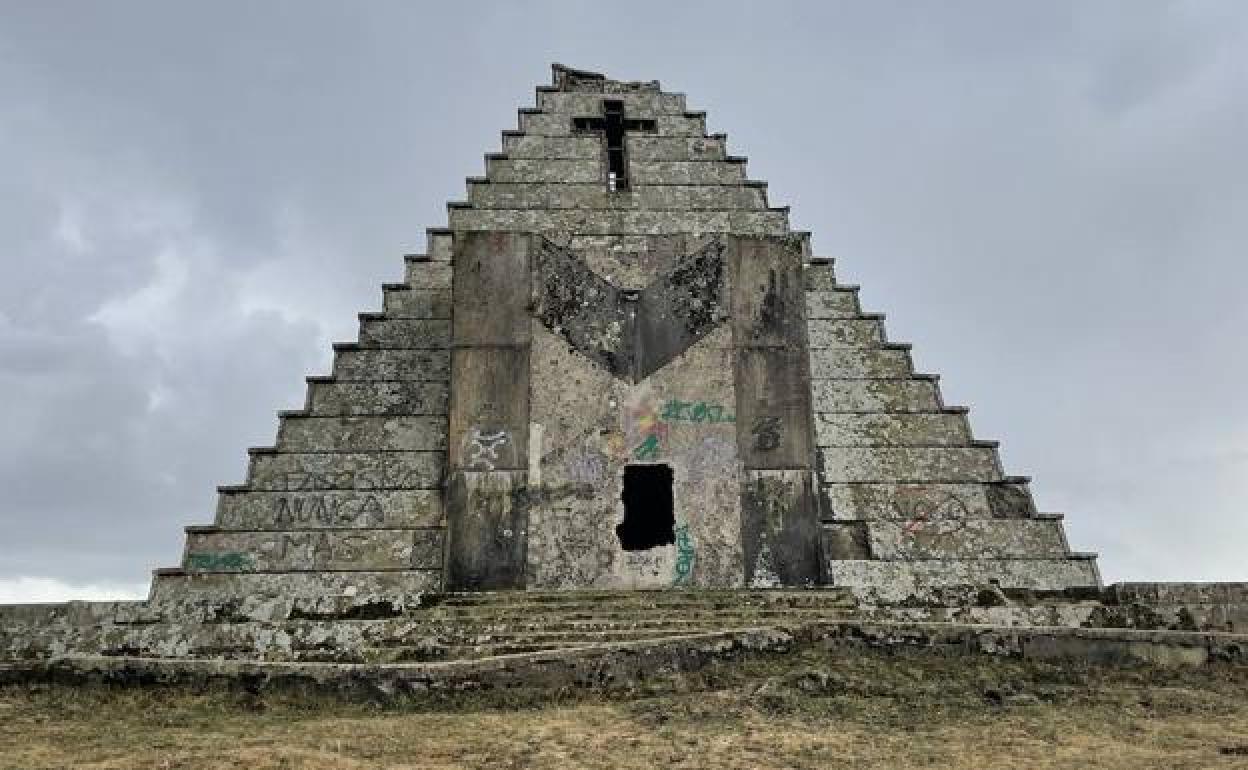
<point>649,520</point>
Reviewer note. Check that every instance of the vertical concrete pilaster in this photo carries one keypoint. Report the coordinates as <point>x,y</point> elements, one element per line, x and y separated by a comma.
<point>779,507</point>
<point>489,411</point>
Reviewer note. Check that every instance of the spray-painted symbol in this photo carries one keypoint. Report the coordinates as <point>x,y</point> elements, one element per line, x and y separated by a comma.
<point>684,553</point>
<point>484,448</point>
<point>648,449</point>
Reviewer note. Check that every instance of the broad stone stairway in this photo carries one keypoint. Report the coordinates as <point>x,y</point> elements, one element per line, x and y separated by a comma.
<point>347,629</point>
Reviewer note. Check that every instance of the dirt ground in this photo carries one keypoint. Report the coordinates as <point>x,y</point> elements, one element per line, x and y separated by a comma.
<point>808,710</point>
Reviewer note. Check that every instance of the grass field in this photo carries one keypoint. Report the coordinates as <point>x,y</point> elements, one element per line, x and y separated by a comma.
<point>808,710</point>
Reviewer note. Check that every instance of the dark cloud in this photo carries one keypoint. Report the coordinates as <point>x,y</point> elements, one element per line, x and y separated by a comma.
<point>1050,201</point>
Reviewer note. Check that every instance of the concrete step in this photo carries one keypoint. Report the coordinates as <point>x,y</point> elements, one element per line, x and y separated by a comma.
<point>363,364</point>
<point>606,617</point>
<point>402,301</point>
<point>772,221</point>
<point>562,600</point>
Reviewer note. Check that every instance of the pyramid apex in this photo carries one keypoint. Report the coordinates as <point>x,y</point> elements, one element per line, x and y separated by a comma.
<point>565,78</point>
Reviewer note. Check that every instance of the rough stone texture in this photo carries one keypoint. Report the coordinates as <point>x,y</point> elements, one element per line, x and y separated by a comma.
<point>309,433</point>
<point>963,539</point>
<point>628,664</point>
<point>386,509</point>
<point>892,582</point>
<point>925,500</point>
<point>567,324</point>
<point>366,365</point>
<point>311,551</point>
<point>300,472</point>
<point>879,429</point>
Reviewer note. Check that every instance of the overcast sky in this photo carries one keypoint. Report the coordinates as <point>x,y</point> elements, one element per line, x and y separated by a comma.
<point>1049,200</point>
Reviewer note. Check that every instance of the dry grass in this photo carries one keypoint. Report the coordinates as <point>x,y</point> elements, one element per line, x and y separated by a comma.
<point>812,710</point>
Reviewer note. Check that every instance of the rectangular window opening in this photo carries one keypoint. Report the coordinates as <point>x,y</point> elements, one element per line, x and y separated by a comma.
<point>649,518</point>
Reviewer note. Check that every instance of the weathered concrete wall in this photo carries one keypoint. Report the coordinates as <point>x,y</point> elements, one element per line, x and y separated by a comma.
<point>591,425</point>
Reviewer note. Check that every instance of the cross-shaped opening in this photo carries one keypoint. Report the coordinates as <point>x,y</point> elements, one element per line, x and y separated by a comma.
<point>613,125</point>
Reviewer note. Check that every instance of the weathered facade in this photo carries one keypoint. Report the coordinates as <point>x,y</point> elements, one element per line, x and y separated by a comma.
<point>618,367</point>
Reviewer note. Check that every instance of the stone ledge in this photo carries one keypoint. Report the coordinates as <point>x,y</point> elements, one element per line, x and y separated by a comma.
<point>623,663</point>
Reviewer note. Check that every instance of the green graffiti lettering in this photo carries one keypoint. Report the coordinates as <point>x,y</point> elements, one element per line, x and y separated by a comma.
<point>684,553</point>
<point>648,449</point>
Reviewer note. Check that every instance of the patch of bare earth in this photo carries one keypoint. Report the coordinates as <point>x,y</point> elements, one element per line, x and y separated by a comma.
<point>809,710</point>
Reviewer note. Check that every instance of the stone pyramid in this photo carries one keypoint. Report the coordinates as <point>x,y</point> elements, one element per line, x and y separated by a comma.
<point>618,367</point>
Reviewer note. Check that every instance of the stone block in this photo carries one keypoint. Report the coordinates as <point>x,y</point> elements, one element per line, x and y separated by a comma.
<point>846,333</point>
<point>621,222</point>
<point>642,147</point>
<point>915,429</point>
<point>835,304</point>
<point>965,539</point>
<point>371,433</point>
<point>596,196</point>
<point>360,471</point>
<point>933,501</point>
<point>393,364</point>
<point>429,274</point>
<point>820,276</point>
<point>780,529</point>
<point>644,172</point>
<point>640,104</point>
<point>488,531</point>
<point>689,124</point>
<point>560,124</point>
<point>416,334</point>
<point>1179,593</point>
<point>439,246</point>
<point>492,288</point>
<point>533,146</point>
<point>897,464</point>
<point>379,509</point>
<point>417,303</point>
<point>313,550</point>
<point>219,586</point>
<point>920,581</point>
<point>875,396</point>
<point>570,171</point>
<point>860,363</point>
<point>377,398</point>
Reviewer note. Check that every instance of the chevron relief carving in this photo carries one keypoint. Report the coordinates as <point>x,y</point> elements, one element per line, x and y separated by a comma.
<point>630,333</point>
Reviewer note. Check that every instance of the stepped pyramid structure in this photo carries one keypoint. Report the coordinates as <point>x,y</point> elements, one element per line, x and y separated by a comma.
<point>618,367</point>
<point>618,399</point>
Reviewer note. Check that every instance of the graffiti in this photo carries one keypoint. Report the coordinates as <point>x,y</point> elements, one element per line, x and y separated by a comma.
<point>684,553</point>
<point>767,433</point>
<point>405,473</point>
<point>695,411</point>
<point>290,510</point>
<point>711,459</point>
<point>647,449</point>
<point>585,466</point>
<point>484,448</point>
<point>320,549</point>
<point>219,560</point>
<point>920,506</point>
<point>649,430</point>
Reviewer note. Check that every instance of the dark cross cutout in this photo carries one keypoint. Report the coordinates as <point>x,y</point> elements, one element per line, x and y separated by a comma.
<point>613,125</point>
